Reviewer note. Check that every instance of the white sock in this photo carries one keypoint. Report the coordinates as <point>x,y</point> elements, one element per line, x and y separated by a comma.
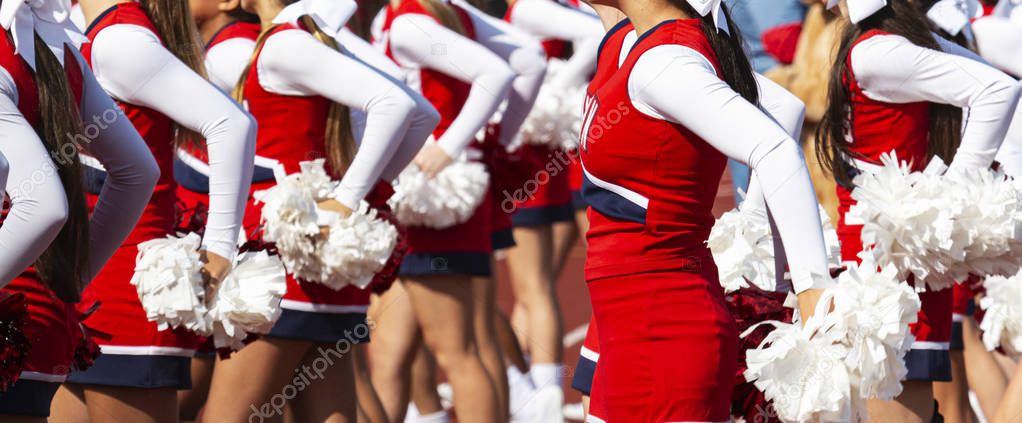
<point>546,374</point>
<point>412,415</point>
<point>438,417</point>
<point>520,389</point>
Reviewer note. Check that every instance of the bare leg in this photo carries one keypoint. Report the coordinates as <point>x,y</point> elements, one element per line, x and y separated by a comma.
<point>330,397</point>
<point>68,405</point>
<point>986,379</point>
<point>1010,410</point>
<point>914,405</point>
<point>443,307</point>
<point>424,394</point>
<point>190,401</point>
<point>254,380</point>
<point>531,268</point>
<point>369,405</point>
<point>509,343</point>
<point>953,396</point>
<point>485,298</point>
<point>120,404</point>
<point>395,339</point>
<point>565,236</point>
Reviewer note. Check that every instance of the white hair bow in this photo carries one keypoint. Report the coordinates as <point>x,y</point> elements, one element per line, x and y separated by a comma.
<point>859,10</point>
<point>952,15</point>
<point>48,18</point>
<point>330,15</point>
<point>705,7</point>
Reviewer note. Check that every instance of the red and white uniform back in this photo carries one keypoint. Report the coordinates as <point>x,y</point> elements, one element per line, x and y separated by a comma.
<point>615,45</point>
<point>121,320</point>
<point>292,129</point>
<point>463,248</point>
<point>650,185</point>
<point>877,128</point>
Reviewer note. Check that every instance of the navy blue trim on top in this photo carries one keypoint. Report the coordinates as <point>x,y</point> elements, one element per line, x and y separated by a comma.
<point>611,204</point>
<point>653,29</point>
<point>137,371</point>
<point>100,18</point>
<point>217,34</point>
<point>617,27</point>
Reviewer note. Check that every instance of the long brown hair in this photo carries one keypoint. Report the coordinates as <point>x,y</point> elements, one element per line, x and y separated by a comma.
<point>64,264</point>
<point>734,64</point>
<point>339,140</point>
<point>899,17</point>
<point>173,21</point>
<point>444,13</point>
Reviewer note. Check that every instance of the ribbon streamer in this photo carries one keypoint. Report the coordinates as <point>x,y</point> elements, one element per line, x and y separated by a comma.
<point>952,15</point>
<point>859,10</point>
<point>705,7</point>
<point>48,18</point>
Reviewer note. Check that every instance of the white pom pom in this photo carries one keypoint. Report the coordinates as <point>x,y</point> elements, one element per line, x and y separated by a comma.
<point>874,309</point>
<point>170,285</point>
<point>988,222</point>
<point>743,252</point>
<point>801,369</point>
<point>248,299</point>
<point>1002,323</point>
<point>290,215</point>
<point>555,118</point>
<point>357,248</point>
<point>906,222</point>
<point>446,200</point>
<point>831,240</point>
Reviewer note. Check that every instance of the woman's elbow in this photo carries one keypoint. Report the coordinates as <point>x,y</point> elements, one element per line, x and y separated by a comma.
<point>1006,90</point>
<point>529,60</point>
<point>502,77</point>
<point>428,115</point>
<point>49,213</point>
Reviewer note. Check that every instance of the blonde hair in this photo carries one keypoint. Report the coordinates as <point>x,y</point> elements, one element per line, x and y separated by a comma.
<point>445,14</point>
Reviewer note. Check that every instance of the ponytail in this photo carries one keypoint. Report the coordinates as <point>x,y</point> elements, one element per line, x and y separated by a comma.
<point>899,17</point>
<point>339,140</point>
<point>63,266</point>
<point>730,51</point>
<point>174,23</point>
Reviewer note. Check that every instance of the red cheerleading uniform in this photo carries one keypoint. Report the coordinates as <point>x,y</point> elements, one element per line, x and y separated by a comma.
<point>53,327</point>
<point>192,184</point>
<point>292,129</point>
<point>135,352</point>
<point>607,61</point>
<point>650,185</point>
<point>879,128</point>
<point>547,192</point>
<point>464,248</point>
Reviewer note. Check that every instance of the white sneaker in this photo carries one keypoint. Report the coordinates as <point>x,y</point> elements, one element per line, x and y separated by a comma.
<point>549,405</point>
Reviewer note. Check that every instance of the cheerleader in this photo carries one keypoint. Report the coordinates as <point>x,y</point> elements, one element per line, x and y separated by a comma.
<point>141,366</point>
<point>903,92</point>
<point>229,34</point>
<point>466,84</point>
<point>998,33</point>
<point>544,222</point>
<point>687,94</point>
<point>300,87</point>
<point>49,113</point>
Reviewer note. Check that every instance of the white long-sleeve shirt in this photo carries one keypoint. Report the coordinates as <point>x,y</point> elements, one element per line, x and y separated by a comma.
<point>1000,41</point>
<point>226,61</point>
<point>420,42</point>
<point>891,69</point>
<point>133,66</point>
<point>5,168</point>
<point>294,63</point>
<point>524,53</point>
<point>38,203</point>
<point>546,19</point>
<point>741,131</point>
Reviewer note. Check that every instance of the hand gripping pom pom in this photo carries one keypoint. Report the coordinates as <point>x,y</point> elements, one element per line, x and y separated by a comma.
<point>555,119</point>
<point>14,344</point>
<point>170,285</point>
<point>358,247</point>
<point>1002,318</point>
<point>248,299</point>
<point>446,200</point>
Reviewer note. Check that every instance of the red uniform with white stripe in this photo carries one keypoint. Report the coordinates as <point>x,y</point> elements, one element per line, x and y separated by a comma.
<point>878,128</point>
<point>121,322</point>
<point>608,58</point>
<point>650,185</point>
<point>190,194</point>
<point>292,129</point>
<point>52,328</point>
<point>463,248</point>
<point>547,201</point>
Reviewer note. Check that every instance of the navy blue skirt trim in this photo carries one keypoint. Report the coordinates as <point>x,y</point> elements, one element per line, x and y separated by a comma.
<point>582,381</point>
<point>30,398</point>
<point>419,264</point>
<point>321,327</point>
<point>957,341</point>
<point>540,216</point>
<point>929,365</point>
<point>577,201</point>
<point>503,239</point>
<point>137,371</point>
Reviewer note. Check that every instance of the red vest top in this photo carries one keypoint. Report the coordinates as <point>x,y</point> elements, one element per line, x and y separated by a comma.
<point>650,183</point>
<point>446,93</point>
<point>155,128</point>
<point>245,30</point>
